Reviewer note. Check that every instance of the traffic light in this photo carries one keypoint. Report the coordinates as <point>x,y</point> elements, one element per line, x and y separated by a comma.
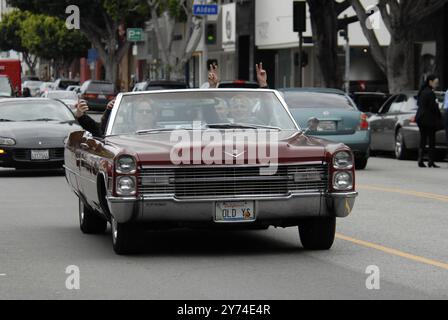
<point>299,16</point>
<point>210,33</point>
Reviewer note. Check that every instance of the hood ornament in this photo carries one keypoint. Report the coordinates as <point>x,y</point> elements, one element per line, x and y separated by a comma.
<point>236,154</point>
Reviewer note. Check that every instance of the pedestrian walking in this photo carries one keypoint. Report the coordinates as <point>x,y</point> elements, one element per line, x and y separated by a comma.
<point>429,119</point>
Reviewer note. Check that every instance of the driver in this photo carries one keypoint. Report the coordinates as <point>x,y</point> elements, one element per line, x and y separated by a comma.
<point>143,115</point>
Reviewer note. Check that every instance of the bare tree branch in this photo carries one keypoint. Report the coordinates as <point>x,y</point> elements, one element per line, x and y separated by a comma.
<point>377,50</point>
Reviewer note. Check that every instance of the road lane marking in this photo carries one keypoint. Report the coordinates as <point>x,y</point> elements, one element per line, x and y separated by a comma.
<point>394,252</point>
<point>425,195</point>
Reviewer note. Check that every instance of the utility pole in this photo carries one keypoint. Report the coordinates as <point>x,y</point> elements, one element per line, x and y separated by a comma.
<point>300,59</point>
<point>299,25</point>
<point>344,33</point>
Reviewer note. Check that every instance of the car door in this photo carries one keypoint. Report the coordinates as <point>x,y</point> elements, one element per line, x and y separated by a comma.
<point>378,125</point>
<point>90,156</point>
<point>389,123</point>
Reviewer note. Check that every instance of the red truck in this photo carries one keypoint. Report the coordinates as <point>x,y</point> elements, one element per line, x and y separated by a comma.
<point>13,70</point>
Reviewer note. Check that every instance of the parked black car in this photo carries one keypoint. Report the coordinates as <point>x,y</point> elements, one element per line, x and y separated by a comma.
<point>369,102</point>
<point>160,85</point>
<point>97,94</point>
<point>238,84</point>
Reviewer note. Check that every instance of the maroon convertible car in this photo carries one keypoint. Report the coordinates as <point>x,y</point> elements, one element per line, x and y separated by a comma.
<point>224,158</point>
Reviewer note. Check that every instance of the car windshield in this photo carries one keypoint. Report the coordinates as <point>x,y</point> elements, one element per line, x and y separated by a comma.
<point>34,111</point>
<point>208,110</point>
<point>63,95</point>
<point>5,87</point>
<point>310,100</point>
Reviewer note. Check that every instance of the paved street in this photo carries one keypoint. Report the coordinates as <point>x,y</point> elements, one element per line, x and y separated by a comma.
<point>400,225</point>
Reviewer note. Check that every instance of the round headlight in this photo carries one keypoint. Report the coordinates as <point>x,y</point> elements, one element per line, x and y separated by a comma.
<point>7,142</point>
<point>126,186</point>
<point>343,181</point>
<point>343,160</point>
<point>126,165</point>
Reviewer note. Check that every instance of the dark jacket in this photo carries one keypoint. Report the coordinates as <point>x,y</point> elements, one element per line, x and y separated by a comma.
<point>96,129</point>
<point>428,114</point>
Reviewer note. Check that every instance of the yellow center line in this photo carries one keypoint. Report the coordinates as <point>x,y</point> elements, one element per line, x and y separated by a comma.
<point>425,195</point>
<point>394,252</point>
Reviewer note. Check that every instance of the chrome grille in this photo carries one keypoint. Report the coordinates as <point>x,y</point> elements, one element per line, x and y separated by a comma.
<point>186,183</point>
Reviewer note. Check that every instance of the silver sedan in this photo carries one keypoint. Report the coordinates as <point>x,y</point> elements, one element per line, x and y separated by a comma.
<point>394,128</point>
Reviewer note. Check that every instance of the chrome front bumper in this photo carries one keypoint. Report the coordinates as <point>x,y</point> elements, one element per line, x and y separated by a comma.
<point>172,210</point>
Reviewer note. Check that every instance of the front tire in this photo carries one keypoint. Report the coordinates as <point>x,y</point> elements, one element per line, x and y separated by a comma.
<point>125,237</point>
<point>401,151</point>
<point>318,234</point>
<point>89,221</point>
<point>361,164</point>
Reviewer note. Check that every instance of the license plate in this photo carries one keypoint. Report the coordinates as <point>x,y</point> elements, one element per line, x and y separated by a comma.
<point>101,96</point>
<point>327,126</point>
<point>40,154</point>
<point>235,211</point>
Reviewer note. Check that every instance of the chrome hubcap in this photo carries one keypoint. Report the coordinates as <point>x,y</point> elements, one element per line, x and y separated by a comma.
<point>114,230</point>
<point>398,146</point>
<point>81,212</point>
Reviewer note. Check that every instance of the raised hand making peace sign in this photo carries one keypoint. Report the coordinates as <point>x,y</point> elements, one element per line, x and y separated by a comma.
<point>262,76</point>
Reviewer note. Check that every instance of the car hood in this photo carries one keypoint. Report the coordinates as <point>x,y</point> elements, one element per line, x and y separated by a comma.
<point>158,148</point>
<point>37,134</point>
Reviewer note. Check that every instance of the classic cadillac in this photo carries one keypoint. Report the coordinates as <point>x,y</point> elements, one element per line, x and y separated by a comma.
<point>224,158</point>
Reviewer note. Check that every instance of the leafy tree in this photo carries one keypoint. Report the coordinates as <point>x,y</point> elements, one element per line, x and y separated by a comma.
<point>10,39</point>
<point>100,21</point>
<point>48,38</point>
<point>401,18</point>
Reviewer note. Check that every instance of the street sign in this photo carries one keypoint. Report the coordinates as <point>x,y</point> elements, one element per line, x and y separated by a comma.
<point>92,56</point>
<point>135,34</point>
<point>205,9</point>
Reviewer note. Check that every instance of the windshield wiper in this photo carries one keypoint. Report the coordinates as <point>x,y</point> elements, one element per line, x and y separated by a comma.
<point>149,131</point>
<point>241,126</point>
<point>6,120</point>
<point>42,120</point>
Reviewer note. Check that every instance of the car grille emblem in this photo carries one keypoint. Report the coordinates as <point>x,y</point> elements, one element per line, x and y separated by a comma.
<point>235,154</point>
